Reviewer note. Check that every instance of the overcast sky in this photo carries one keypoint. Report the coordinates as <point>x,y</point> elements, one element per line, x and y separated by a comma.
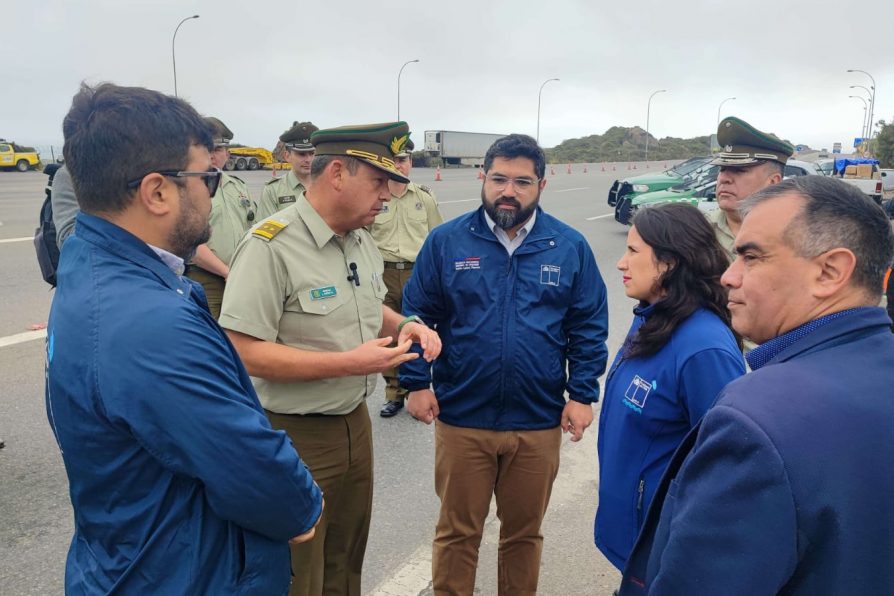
<point>260,65</point>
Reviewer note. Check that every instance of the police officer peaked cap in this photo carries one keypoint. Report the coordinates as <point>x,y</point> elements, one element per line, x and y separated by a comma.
<point>298,137</point>
<point>741,144</point>
<point>407,151</point>
<point>373,144</point>
<point>221,134</point>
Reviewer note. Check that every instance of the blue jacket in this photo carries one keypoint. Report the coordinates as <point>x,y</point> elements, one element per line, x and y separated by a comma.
<point>509,325</point>
<point>650,404</point>
<point>784,486</point>
<point>179,485</point>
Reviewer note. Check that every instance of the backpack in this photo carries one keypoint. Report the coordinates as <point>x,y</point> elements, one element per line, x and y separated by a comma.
<point>45,234</point>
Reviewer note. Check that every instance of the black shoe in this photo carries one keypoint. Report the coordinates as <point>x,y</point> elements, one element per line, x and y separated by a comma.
<point>391,408</point>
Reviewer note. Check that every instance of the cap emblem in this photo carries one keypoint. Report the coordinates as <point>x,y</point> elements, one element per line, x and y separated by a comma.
<point>398,143</point>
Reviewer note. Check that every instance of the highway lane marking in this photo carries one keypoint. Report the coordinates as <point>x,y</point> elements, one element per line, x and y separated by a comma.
<point>7,240</point>
<point>600,216</point>
<point>18,338</point>
<point>459,201</point>
<point>572,189</point>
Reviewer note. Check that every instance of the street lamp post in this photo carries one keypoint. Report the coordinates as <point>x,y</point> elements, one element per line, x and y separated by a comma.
<point>648,111</point>
<point>871,99</point>
<point>539,93</point>
<point>400,72</point>
<point>174,53</point>
<point>720,107</point>
<point>865,113</point>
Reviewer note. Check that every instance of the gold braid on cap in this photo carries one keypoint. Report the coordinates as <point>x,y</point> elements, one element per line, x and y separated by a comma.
<point>398,143</point>
<point>371,157</point>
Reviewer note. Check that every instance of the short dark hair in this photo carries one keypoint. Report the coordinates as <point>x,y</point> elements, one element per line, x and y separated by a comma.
<point>321,161</point>
<point>116,134</point>
<point>835,215</point>
<point>516,145</point>
<point>681,238</point>
<point>777,167</point>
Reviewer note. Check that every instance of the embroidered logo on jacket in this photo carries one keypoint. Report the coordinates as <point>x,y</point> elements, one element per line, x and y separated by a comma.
<point>549,274</point>
<point>637,393</point>
<point>467,263</point>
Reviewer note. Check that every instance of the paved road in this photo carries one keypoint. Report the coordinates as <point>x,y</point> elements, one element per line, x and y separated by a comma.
<point>35,513</point>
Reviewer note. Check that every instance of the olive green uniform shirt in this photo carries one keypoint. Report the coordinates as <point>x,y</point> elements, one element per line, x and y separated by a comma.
<point>404,223</point>
<point>289,284</point>
<point>727,239</point>
<point>229,219</point>
<point>279,193</point>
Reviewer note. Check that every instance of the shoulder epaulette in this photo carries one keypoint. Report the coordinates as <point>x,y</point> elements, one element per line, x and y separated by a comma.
<point>271,181</point>
<point>237,178</point>
<point>426,189</point>
<point>269,229</point>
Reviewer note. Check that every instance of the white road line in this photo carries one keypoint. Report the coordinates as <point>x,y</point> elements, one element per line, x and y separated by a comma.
<point>11,340</point>
<point>459,201</point>
<point>411,579</point>
<point>572,189</point>
<point>600,216</point>
<point>6,240</point>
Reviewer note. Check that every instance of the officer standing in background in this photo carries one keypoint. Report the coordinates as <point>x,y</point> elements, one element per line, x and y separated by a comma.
<point>232,214</point>
<point>399,231</point>
<point>749,160</point>
<point>299,153</point>
<point>304,310</point>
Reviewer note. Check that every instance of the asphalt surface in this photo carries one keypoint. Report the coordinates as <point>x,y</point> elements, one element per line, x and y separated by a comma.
<point>35,512</point>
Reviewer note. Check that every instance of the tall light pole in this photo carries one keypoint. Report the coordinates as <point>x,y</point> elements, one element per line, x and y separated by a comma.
<point>720,107</point>
<point>865,113</point>
<point>400,72</point>
<point>539,93</point>
<point>648,111</point>
<point>868,97</point>
<point>174,53</point>
<point>871,99</point>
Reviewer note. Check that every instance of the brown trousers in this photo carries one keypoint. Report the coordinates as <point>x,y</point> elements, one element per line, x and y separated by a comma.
<point>338,452</point>
<point>471,466</point>
<point>213,286</point>
<point>395,280</point>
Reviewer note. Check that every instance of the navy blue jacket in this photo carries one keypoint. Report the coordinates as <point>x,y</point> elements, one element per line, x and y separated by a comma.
<point>179,485</point>
<point>651,403</point>
<point>784,486</point>
<point>509,325</point>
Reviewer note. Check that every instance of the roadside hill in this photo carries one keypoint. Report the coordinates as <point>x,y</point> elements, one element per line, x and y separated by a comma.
<point>620,143</point>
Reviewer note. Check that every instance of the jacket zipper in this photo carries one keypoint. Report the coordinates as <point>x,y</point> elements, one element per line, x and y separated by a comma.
<point>639,495</point>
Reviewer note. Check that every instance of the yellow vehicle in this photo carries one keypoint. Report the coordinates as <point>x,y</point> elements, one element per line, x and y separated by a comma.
<point>248,158</point>
<point>18,157</point>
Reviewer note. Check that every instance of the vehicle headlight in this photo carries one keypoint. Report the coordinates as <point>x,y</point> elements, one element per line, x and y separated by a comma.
<point>640,188</point>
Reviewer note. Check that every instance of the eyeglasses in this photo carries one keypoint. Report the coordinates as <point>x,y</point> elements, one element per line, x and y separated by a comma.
<point>520,184</point>
<point>211,178</point>
<point>246,204</point>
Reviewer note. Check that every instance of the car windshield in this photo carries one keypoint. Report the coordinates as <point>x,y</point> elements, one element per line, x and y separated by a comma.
<point>698,179</point>
<point>689,165</point>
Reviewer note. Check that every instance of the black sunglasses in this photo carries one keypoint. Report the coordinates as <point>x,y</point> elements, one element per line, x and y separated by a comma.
<point>211,178</point>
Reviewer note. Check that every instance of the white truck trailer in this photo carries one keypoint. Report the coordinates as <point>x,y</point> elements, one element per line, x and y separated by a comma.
<point>455,147</point>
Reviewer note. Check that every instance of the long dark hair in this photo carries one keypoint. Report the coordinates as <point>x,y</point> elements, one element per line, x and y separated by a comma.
<point>681,238</point>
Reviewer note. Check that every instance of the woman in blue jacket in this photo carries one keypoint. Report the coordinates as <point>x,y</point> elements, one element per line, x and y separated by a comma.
<point>679,353</point>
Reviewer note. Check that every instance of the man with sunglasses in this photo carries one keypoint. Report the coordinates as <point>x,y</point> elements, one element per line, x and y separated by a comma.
<point>399,231</point>
<point>178,482</point>
<point>233,213</point>
<point>518,300</point>
<point>299,153</point>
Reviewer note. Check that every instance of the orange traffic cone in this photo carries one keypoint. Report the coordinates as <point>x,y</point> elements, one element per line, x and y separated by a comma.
<point>438,174</point>
<point>480,174</point>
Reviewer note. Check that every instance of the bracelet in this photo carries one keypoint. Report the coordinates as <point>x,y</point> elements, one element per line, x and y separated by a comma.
<point>410,319</point>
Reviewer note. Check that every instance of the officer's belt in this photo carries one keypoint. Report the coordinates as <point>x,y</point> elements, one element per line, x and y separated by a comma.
<point>400,265</point>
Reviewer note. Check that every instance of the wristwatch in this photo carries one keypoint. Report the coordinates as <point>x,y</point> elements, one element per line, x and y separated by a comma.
<point>410,319</point>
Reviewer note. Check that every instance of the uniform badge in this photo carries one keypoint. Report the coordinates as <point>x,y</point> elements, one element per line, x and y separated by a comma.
<point>323,293</point>
<point>637,393</point>
<point>287,199</point>
<point>418,205</point>
<point>549,274</point>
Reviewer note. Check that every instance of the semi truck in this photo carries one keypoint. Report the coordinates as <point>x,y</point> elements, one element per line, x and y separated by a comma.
<point>248,158</point>
<point>454,147</point>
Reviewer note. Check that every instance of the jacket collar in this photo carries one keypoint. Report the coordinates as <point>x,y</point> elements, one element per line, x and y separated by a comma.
<point>118,241</point>
<point>828,330</point>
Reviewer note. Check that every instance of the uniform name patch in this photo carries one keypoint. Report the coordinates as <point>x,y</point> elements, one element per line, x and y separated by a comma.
<point>288,199</point>
<point>467,263</point>
<point>549,274</point>
<point>323,293</point>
